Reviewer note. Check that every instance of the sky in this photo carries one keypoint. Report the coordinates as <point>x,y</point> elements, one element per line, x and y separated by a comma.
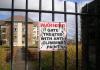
<point>47,5</point>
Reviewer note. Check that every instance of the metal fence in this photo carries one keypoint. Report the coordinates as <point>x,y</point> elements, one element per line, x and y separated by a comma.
<point>26,10</point>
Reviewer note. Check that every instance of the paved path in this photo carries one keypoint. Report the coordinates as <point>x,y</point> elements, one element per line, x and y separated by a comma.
<point>19,62</point>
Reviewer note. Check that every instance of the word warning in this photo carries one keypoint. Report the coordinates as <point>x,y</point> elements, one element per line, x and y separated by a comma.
<point>52,36</point>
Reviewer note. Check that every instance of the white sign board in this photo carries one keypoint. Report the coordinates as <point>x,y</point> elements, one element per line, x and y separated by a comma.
<point>52,36</point>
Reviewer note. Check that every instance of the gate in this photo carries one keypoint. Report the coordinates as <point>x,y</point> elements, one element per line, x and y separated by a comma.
<point>40,11</point>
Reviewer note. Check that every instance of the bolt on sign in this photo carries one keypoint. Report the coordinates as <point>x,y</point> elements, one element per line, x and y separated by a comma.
<point>52,36</point>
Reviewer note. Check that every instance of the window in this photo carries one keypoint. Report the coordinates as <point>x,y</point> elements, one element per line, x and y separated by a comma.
<point>15,29</point>
<point>3,30</point>
<point>23,42</point>
<point>3,36</point>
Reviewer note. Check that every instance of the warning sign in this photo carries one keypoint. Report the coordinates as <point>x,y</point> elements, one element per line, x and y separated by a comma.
<point>52,36</point>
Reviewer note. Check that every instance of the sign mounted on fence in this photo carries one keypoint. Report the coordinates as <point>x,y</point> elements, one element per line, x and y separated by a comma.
<point>52,36</point>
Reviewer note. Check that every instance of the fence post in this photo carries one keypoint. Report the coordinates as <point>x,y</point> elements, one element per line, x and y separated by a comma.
<point>65,20</point>
<point>40,5</point>
<point>76,21</point>
<point>53,53</point>
<point>0,36</point>
<point>11,33</point>
<point>26,37</point>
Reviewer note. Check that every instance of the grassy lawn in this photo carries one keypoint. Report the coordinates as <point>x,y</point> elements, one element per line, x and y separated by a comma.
<point>3,55</point>
<point>59,59</point>
<point>46,59</point>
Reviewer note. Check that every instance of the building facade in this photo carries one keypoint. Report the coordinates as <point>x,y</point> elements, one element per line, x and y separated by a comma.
<point>18,31</point>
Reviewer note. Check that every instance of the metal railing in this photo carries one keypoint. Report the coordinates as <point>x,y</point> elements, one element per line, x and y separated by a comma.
<point>26,10</point>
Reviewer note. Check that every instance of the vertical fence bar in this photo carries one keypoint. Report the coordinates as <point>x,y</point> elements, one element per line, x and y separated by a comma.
<point>0,36</point>
<point>26,36</point>
<point>65,20</point>
<point>40,5</point>
<point>11,38</point>
<point>85,47</point>
<point>76,21</point>
<point>87,42</point>
<point>53,53</point>
<point>97,35</point>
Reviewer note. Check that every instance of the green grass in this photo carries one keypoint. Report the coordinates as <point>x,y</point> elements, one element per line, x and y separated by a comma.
<point>46,59</point>
<point>72,56</point>
<point>3,53</point>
